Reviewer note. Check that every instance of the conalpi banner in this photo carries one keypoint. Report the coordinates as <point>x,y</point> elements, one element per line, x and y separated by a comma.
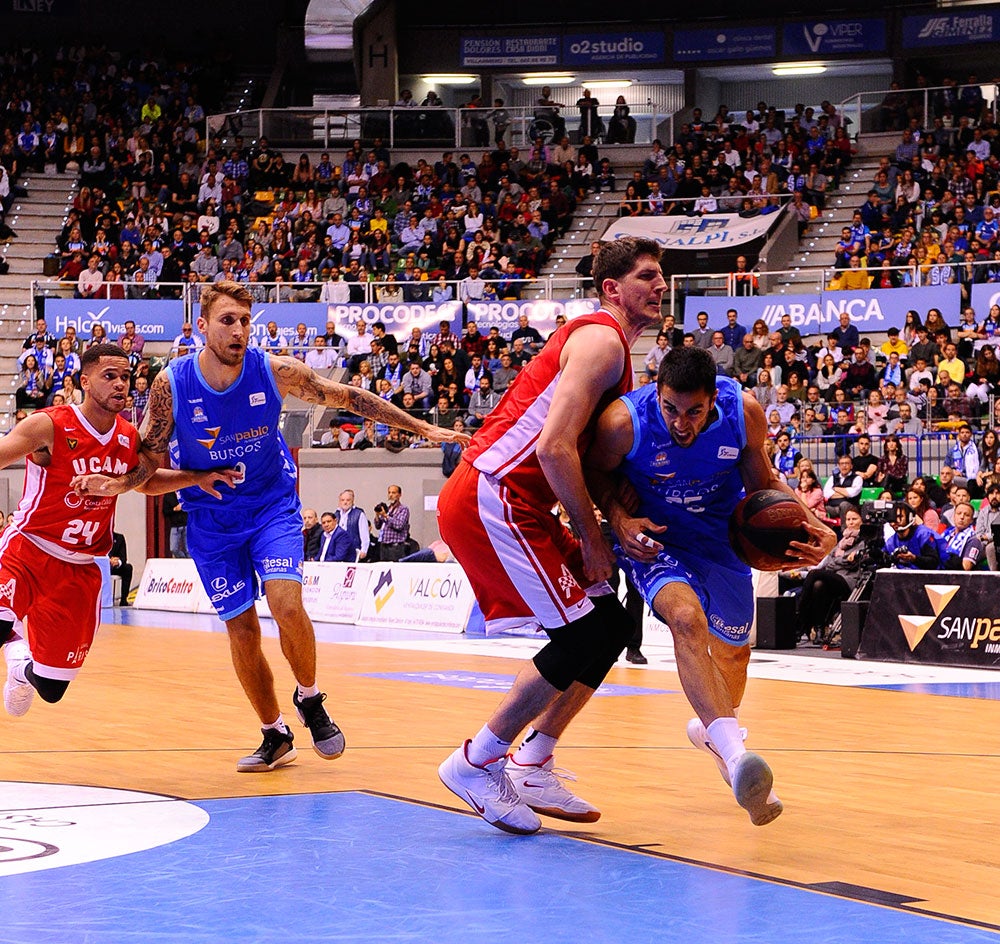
<point>871,310</point>
<point>712,231</point>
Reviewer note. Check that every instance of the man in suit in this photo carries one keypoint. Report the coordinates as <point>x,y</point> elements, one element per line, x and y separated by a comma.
<point>120,567</point>
<point>311,533</point>
<point>334,543</point>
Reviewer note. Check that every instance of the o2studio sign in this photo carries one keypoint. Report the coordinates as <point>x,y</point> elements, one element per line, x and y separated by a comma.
<point>581,49</point>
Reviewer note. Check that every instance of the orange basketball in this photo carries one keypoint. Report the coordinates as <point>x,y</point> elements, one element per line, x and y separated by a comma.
<point>763,525</point>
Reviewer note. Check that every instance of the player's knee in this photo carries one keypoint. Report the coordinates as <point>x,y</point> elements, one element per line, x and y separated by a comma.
<point>687,622</point>
<point>557,664</point>
<point>584,650</point>
<point>50,690</point>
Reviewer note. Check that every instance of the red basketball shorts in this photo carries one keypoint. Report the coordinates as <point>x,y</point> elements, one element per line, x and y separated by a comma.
<point>524,566</point>
<point>60,601</point>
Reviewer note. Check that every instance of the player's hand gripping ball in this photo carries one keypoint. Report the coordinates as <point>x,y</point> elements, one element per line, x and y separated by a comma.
<point>762,527</point>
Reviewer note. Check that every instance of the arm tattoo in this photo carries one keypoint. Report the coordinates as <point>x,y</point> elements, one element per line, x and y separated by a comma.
<point>295,378</point>
<point>158,423</point>
<point>135,477</point>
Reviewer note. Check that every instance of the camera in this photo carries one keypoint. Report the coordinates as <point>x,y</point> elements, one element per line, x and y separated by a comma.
<point>875,515</point>
<point>382,507</point>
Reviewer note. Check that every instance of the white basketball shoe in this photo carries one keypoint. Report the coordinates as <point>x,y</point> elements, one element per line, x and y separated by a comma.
<point>17,695</point>
<point>541,787</point>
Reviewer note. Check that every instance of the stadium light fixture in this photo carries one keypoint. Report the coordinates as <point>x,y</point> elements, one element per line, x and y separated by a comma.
<point>550,78</point>
<point>450,78</point>
<point>804,68</point>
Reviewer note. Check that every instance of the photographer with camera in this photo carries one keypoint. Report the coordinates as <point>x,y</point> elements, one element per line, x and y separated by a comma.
<point>912,545</point>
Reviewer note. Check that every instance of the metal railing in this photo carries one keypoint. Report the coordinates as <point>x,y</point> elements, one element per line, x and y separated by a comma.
<point>469,128</point>
<point>892,109</point>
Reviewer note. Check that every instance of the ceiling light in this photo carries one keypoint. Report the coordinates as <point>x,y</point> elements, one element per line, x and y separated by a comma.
<point>609,83</point>
<point>451,78</point>
<point>805,68</point>
<point>550,78</point>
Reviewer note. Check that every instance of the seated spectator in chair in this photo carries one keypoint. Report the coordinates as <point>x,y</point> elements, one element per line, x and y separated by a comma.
<point>335,543</point>
<point>842,489</point>
<point>962,549</point>
<point>336,437</point>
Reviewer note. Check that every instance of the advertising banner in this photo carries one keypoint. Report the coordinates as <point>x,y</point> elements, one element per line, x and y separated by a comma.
<point>398,319</point>
<point>933,616</point>
<point>984,296</point>
<point>154,320</point>
<point>431,597</point>
<point>510,50</point>
<point>172,584</point>
<point>871,310</point>
<point>737,42</point>
<point>950,29</point>
<point>541,314</point>
<point>627,48</point>
<point>826,37</point>
<point>712,231</point>
<point>331,592</point>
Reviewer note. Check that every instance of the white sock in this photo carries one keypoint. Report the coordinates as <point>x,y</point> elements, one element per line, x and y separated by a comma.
<point>486,747</point>
<point>308,691</point>
<point>728,740</point>
<point>536,748</point>
<point>278,725</point>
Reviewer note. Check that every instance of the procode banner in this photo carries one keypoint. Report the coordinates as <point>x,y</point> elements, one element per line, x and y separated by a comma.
<point>172,584</point>
<point>431,597</point>
<point>154,320</point>
<point>542,314</point>
<point>331,592</point>
<point>399,319</point>
<point>711,231</point>
<point>933,616</point>
<point>871,310</point>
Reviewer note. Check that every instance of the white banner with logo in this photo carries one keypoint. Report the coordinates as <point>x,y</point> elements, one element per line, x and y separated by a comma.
<point>331,593</point>
<point>432,597</point>
<point>542,314</point>
<point>172,584</point>
<point>712,231</point>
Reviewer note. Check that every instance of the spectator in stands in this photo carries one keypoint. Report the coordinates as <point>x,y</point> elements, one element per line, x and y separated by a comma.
<point>919,504</point>
<point>893,466</point>
<point>732,333</point>
<point>842,489</point>
<point>846,334</point>
<point>722,354</point>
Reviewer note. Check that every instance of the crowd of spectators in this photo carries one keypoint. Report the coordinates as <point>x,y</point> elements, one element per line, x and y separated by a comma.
<point>748,163</point>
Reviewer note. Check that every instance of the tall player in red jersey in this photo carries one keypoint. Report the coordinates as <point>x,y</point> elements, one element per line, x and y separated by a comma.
<point>495,513</point>
<point>47,569</point>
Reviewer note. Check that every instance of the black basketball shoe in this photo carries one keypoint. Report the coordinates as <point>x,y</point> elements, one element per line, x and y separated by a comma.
<point>275,750</point>
<point>328,740</point>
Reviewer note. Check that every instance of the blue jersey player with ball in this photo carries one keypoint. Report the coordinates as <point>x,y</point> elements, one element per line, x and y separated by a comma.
<point>691,446</point>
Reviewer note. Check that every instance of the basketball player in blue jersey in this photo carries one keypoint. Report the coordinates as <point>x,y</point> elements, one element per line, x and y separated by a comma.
<point>691,446</point>
<point>219,410</point>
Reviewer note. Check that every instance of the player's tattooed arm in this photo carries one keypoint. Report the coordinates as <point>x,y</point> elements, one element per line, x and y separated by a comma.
<point>158,423</point>
<point>295,378</point>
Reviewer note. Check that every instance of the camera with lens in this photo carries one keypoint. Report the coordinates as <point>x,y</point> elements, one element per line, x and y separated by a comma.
<point>875,515</point>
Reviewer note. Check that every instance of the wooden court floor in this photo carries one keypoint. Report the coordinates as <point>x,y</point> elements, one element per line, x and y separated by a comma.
<point>889,796</point>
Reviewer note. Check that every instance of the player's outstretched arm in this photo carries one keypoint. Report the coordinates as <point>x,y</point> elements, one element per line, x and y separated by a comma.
<point>758,473</point>
<point>611,444</point>
<point>294,377</point>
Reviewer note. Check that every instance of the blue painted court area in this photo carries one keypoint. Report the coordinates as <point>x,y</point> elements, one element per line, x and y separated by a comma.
<point>492,682</point>
<point>987,690</point>
<point>360,868</point>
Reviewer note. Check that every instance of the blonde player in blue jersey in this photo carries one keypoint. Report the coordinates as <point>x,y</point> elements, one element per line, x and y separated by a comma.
<point>219,409</point>
<point>691,446</point>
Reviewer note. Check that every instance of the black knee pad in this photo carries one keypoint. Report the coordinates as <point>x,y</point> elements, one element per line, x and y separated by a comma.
<point>618,627</point>
<point>6,630</point>
<point>50,690</point>
<point>578,650</point>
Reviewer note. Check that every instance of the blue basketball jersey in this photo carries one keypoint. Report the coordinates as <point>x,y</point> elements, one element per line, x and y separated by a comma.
<point>232,428</point>
<point>692,489</point>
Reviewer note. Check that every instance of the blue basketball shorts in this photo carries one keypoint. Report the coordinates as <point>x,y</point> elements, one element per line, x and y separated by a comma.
<point>229,564</point>
<point>724,590</point>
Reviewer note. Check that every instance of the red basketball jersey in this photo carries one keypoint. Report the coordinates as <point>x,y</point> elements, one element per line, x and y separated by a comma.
<point>50,514</point>
<point>505,445</point>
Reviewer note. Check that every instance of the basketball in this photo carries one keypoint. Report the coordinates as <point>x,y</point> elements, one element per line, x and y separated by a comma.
<point>763,525</point>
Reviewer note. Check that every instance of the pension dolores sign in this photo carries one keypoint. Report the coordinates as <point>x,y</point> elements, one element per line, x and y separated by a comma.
<point>817,313</point>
